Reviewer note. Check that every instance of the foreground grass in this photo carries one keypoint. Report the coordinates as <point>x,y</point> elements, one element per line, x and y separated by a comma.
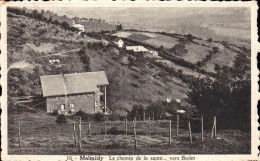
<point>41,135</point>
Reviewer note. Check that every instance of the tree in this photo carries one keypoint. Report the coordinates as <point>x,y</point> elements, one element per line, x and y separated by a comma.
<point>56,22</point>
<point>224,96</point>
<point>179,49</point>
<point>189,37</point>
<point>210,40</point>
<point>119,28</point>
<point>137,111</point>
<point>215,49</point>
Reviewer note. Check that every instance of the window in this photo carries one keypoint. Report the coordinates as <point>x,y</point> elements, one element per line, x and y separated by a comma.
<point>62,107</point>
<point>71,106</point>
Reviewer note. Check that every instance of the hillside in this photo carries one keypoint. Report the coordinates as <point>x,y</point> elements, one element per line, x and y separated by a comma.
<point>198,53</point>
<point>33,43</point>
<point>28,58</point>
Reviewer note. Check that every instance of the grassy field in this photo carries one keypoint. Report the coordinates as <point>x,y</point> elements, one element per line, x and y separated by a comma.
<point>153,39</point>
<point>42,135</point>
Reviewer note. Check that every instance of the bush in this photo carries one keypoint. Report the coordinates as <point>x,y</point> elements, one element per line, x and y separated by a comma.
<point>61,119</point>
<point>55,113</point>
<point>100,117</point>
<point>84,116</point>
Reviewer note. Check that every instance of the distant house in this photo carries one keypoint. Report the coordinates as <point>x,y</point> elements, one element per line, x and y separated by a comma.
<point>153,52</point>
<point>69,93</point>
<point>78,26</point>
<point>119,42</point>
<point>137,48</point>
<point>168,100</point>
<point>105,42</point>
<point>178,100</point>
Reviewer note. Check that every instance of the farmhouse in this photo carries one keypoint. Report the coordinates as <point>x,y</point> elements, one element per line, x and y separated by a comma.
<point>69,93</point>
<point>119,42</point>
<point>78,26</point>
<point>153,52</point>
<point>137,48</point>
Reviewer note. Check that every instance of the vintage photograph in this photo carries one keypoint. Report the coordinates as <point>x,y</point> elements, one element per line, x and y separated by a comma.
<point>128,80</point>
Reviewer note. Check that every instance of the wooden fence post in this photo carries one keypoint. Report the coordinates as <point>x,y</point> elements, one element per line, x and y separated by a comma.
<point>190,132</point>
<point>170,132</point>
<point>202,130</point>
<point>101,126</point>
<point>177,130</point>
<point>74,132</point>
<point>149,126</point>
<point>215,127</point>
<point>153,114</point>
<point>79,138</point>
<point>19,133</point>
<point>105,128</point>
<point>144,115</point>
<point>125,126</point>
<point>89,129</point>
<point>135,136</point>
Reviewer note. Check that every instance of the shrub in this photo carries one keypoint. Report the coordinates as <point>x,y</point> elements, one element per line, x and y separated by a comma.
<point>55,113</point>
<point>84,116</point>
<point>210,40</point>
<point>61,119</point>
<point>100,117</point>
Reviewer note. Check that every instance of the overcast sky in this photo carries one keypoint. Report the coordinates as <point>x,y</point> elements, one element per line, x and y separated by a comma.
<point>117,14</point>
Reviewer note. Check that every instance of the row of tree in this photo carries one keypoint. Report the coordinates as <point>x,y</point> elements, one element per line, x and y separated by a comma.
<point>40,16</point>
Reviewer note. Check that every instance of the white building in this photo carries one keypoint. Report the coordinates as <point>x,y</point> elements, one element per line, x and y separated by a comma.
<point>153,52</point>
<point>119,42</point>
<point>78,26</point>
<point>137,48</point>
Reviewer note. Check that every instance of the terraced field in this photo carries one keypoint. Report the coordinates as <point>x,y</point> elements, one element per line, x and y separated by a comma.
<point>153,39</point>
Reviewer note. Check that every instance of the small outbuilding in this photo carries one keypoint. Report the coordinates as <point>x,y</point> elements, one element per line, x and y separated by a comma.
<point>119,42</point>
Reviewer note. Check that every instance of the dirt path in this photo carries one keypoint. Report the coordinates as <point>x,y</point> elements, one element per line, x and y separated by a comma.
<point>23,64</point>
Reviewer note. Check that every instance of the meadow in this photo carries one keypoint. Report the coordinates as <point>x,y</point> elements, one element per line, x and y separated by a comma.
<point>40,134</point>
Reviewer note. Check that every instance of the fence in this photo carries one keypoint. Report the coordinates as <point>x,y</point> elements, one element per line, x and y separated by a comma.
<point>78,130</point>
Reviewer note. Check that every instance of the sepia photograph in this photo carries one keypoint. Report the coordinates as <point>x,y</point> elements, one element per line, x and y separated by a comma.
<point>129,81</point>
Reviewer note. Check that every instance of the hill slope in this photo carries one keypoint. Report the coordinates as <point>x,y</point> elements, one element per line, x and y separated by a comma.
<point>31,49</point>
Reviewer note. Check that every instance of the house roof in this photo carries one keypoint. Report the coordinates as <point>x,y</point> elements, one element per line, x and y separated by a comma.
<point>136,48</point>
<point>117,39</point>
<point>78,25</point>
<point>76,83</point>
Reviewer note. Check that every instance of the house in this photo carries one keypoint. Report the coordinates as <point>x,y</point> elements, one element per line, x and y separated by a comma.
<point>168,100</point>
<point>178,100</point>
<point>137,48</point>
<point>69,93</point>
<point>78,26</point>
<point>119,42</point>
<point>105,42</point>
<point>153,52</point>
